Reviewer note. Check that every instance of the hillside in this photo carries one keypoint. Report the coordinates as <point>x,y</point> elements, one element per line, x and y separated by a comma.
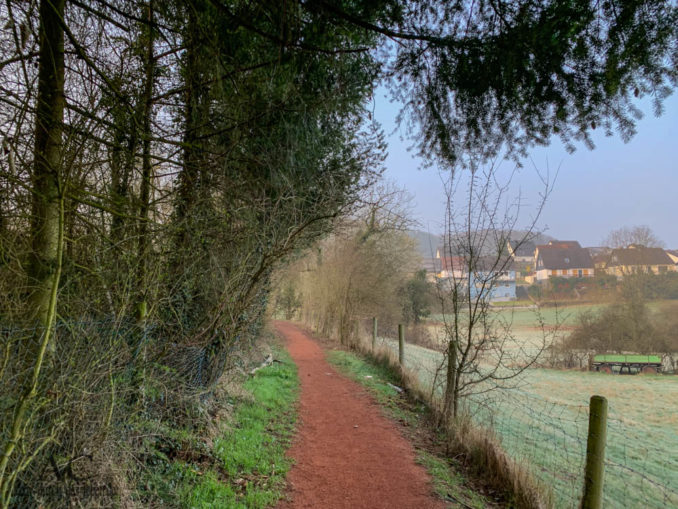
<point>426,242</point>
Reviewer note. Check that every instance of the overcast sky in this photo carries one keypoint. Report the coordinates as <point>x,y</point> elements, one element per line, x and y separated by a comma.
<point>616,184</point>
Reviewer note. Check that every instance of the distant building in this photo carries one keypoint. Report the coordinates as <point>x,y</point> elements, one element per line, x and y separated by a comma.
<point>598,250</point>
<point>496,278</point>
<point>673,254</point>
<point>431,266</point>
<point>521,250</point>
<point>562,258</point>
<point>600,255</point>
<point>451,267</point>
<point>637,259</point>
<point>489,277</point>
<point>599,261</point>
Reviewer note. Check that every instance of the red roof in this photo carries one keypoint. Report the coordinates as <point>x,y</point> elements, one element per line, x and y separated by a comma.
<point>452,263</point>
<point>564,255</point>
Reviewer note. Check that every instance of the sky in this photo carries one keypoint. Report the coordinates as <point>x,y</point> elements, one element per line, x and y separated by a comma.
<point>596,191</point>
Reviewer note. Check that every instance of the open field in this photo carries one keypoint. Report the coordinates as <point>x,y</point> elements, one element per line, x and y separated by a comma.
<point>525,317</point>
<point>544,422</point>
<point>531,328</point>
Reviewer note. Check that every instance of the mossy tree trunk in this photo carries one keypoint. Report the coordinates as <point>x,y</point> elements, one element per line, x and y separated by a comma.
<point>144,245</point>
<point>47,231</point>
<point>47,170</point>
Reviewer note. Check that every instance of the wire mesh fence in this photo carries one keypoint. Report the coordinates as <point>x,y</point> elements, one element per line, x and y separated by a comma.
<point>105,383</point>
<point>543,423</point>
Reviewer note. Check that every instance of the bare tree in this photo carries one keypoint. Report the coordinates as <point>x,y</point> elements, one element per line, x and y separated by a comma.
<point>481,352</point>
<point>358,272</point>
<point>627,235</point>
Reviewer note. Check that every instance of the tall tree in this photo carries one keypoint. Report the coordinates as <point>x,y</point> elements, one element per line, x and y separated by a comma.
<point>144,242</point>
<point>47,225</point>
<point>48,176</point>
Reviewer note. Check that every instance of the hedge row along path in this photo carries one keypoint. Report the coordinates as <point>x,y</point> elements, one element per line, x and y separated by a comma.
<point>346,453</point>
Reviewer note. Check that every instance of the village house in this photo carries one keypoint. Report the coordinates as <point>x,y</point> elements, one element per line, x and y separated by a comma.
<point>638,259</point>
<point>489,278</point>
<point>493,279</point>
<point>673,254</point>
<point>599,255</point>
<point>521,250</point>
<point>565,258</point>
<point>452,267</point>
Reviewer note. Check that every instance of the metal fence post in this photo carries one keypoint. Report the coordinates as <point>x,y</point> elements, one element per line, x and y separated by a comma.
<point>401,344</point>
<point>374,333</point>
<point>595,454</point>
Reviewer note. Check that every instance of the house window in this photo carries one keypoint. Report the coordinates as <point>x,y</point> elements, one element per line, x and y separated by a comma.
<point>580,272</point>
<point>567,260</point>
<point>564,272</point>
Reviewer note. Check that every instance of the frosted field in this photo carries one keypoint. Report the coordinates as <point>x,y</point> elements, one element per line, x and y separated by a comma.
<point>543,421</point>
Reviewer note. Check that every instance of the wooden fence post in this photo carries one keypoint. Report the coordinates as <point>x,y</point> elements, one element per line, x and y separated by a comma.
<point>401,344</point>
<point>374,333</point>
<point>595,454</point>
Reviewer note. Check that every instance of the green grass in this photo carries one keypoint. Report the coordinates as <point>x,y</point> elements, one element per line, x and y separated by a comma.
<point>565,315</point>
<point>448,482</point>
<point>379,375</point>
<point>247,462</point>
<point>512,303</point>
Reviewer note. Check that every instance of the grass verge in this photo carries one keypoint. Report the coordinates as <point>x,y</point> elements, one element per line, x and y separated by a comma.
<point>244,464</point>
<point>475,451</point>
<point>416,420</point>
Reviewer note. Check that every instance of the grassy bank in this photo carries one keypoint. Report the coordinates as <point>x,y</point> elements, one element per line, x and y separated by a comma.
<point>448,481</point>
<point>241,463</point>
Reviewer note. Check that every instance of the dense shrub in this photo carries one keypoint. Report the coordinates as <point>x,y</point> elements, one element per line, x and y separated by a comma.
<point>627,326</point>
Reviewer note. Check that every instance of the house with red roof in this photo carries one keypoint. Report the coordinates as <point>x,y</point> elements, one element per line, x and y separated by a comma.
<point>562,258</point>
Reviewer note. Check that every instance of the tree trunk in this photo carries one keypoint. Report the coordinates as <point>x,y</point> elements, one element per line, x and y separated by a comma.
<point>143,249</point>
<point>123,156</point>
<point>47,171</point>
<point>195,114</point>
<point>193,193</point>
<point>47,225</point>
<point>451,395</point>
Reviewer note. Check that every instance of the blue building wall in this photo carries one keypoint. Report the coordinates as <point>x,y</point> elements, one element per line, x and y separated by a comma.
<point>503,288</point>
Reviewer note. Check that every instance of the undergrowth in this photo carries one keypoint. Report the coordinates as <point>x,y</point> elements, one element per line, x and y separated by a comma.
<point>242,462</point>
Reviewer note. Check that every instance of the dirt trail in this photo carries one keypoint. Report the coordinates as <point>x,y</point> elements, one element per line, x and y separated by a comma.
<point>347,454</point>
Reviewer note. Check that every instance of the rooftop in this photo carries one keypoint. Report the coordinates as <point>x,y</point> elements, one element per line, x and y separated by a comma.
<point>567,254</point>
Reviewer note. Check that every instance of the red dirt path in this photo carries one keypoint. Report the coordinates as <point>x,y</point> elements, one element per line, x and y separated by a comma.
<point>347,454</point>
